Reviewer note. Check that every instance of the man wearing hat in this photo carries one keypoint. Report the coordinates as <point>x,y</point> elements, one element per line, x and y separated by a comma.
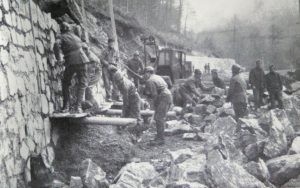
<point>237,93</point>
<point>135,65</point>
<point>75,62</point>
<point>187,90</point>
<point>109,57</point>
<point>157,90</point>
<point>274,87</point>
<point>131,99</point>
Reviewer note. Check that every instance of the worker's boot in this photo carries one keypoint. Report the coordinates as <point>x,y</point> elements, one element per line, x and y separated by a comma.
<point>78,106</point>
<point>66,107</point>
<point>66,101</point>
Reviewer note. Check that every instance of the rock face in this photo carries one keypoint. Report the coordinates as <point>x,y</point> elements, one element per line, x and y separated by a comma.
<point>226,125</point>
<point>76,182</point>
<point>230,174</point>
<point>277,141</point>
<point>177,127</point>
<point>93,176</point>
<point>284,168</point>
<point>295,147</point>
<point>134,174</point>
<point>258,169</point>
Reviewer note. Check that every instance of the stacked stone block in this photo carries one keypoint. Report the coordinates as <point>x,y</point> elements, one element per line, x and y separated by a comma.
<point>30,87</point>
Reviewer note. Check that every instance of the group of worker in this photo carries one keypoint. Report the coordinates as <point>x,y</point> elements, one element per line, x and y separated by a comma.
<point>79,59</point>
<point>259,82</point>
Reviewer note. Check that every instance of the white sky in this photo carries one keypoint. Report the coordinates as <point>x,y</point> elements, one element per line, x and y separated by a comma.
<point>212,13</point>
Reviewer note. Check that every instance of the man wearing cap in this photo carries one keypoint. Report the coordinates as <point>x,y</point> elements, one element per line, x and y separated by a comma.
<point>257,83</point>
<point>157,90</point>
<point>109,57</point>
<point>218,82</point>
<point>135,65</point>
<point>131,98</point>
<point>75,62</point>
<point>188,89</point>
<point>237,93</point>
<point>274,87</point>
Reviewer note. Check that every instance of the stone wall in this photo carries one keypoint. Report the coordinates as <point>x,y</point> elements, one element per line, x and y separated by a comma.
<point>30,87</point>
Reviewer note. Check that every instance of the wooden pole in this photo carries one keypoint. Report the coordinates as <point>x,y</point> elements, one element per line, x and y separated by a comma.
<point>113,25</point>
<point>112,112</point>
<point>98,120</point>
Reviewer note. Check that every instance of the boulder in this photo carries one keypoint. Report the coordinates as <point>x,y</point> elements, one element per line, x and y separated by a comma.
<point>177,127</point>
<point>195,119</point>
<point>75,182</point>
<point>284,168</point>
<point>184,184</point>
<point>223,112</point>
<point>190,136</point>
<point>226,125</point>
<point>258,169</point>
<point>276,144</point>
<point>210,109</point>
<point>230,174</point>
<point>207,99</point>
<point>253,126</point>
<point>245,137</point>
<point>254,151</point>
<point>234,154</point>
<point>199,109</point>
<point>294,117</point>
<point>193,169</point>
<point>210,118</point>
<point>134,174</point>
<point>295,147</point>
<point>288,127</point>
<point>93,176</point>
<point>204,136</point>
<point>292,183</point>
<point>181,155</point>
<point>218,91</point>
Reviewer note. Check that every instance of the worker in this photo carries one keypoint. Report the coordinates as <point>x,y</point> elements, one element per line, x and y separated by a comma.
<point>237,93</point>
<point>187,90</point>
<point>218,82</point>
<point>257,83</point>
<point>135,65</point>
<point>274,87</point>
<point>131,99</point>
<point>109,57</point>
<point>75,62</point>
<point>157,90</point>
<point>94,74</point>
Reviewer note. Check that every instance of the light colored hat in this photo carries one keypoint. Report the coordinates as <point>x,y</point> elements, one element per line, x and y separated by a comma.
<point>149,69</point>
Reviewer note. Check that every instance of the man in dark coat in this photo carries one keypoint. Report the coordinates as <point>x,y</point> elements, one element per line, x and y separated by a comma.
<point>274,87</point>
<point>157,90</point>
<point>185,93</point>
<point>257,83</point>
<point>135,65</point>
<point>237,93</point>
<point>75,62</point>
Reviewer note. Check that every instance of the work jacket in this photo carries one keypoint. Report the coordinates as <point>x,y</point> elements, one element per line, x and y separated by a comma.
<point>135,65</point>
<point>273,82</point>
<point>71,46</point>
<point>109,57</point>
<point>237,90</point>
<point>257,78</point>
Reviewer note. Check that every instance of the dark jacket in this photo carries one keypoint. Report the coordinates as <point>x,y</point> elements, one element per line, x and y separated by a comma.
<point>237,90</point>
<point>257,78</point>
<point>71,46</point>
<point>135,65</point>
<point>273,82</point>
<point>218,82</point>
<point>109,57</point>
